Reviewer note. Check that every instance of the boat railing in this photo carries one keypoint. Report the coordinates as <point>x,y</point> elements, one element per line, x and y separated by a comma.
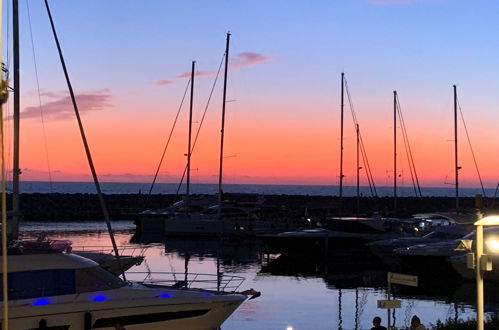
<point>130,250</point>
<point>210,282</point>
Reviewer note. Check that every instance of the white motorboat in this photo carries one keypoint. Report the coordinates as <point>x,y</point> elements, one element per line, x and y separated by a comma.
<point>439,256</point>
<point>66,291</point>
<point>383,249</point>
<point>100,254</point>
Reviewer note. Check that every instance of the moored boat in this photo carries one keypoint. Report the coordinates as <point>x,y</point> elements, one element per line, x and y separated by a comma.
<point>66,291</point>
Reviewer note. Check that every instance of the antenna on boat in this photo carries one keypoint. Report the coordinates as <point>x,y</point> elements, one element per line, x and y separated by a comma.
<point>14,228</point>
<point>188,179</point>
<point>222,130</point>
<point>456,166</point>
<point>340,208</point>
<point>395,151</point>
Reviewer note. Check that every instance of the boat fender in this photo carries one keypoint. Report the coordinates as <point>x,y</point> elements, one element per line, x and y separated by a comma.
<point>251,292</point>
<point>87,321</point>
<point>42,324</point>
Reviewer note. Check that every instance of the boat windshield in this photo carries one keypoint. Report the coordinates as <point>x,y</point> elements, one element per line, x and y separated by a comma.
<point>95,279</point>
<point>441,235</point>
<point>487,231</point>
<point>56,282</point>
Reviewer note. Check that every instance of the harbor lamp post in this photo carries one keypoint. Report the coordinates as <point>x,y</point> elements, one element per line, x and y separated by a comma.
<point>483,263</point>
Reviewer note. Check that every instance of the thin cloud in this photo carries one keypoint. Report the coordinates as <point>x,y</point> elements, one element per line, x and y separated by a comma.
<point>62,107</point>
<point>45,93</point>
<point>162,82</point>
<point>248,59</point>
<point>243,59</point>
<point>196,74</point>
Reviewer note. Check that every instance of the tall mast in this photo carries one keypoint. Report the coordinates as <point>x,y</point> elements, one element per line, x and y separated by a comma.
<point>85,142</point>
<point>456,165</point>
<point>341,142</point>
<point>14,228</point>
<point>3,98</point>
<point>358,168</point>
<point>222,130</point>
<point>188,181</point>
<point>395,151</point>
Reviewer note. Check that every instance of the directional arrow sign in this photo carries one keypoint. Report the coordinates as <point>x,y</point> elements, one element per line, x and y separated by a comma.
<point>402,279</point>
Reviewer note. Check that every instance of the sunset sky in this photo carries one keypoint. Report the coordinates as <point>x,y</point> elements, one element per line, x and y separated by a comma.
<point>127,61</point>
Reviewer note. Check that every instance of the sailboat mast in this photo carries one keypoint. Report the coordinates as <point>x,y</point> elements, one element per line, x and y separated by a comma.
<point>85,143</point>
<point>222,130</point>
<point>14,228</point>
<point>456,165</point>
<point>358,168</point>
<point>395,151</point>
<point>188,181</point>
<point>341,141</point>
<point>3,99</point>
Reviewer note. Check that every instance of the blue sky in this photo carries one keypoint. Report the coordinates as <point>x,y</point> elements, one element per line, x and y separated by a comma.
<point>286,104</point>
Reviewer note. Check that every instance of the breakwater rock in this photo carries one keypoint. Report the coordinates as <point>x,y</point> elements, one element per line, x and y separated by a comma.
<point>62,207</point>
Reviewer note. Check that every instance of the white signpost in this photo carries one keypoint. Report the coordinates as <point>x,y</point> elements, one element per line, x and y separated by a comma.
<point>403,279</point>
<point>396,278</point>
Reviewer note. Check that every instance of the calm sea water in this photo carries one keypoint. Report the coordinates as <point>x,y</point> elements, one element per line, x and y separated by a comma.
<point>297,293</point>
<point>171,188</point>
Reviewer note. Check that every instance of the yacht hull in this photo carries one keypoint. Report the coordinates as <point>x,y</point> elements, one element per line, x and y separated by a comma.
<point>193,316</point>
<point>213,227</point>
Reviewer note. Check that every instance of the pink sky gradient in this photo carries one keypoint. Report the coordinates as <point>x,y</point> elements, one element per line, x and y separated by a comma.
<point>283,89</point>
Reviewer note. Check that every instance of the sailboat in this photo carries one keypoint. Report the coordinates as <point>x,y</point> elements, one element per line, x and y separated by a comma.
<point>56,290</point>
<point>187,218</point>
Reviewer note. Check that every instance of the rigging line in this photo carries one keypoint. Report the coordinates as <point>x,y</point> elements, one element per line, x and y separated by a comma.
<point>85,143</point>
<point>207,104</point>
<point>370,177</point>
<point>169,137</point>
<point>39,97</point>
<point>352,110</point>
<point>202,120</point>
<point>404,138</point>
<point>410,159</point>
<point>471,149</point>
<point>364,153</point>
<point>495,195</point>
<point>402,121</point>
<point>365,160</point>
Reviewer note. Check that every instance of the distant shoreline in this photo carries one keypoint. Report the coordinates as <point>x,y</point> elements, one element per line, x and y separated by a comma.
<point>85,206</point>
<point>208,188</point>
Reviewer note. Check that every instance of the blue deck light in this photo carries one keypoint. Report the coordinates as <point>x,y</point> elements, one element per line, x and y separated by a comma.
<point>165,295</point>
<point>99,297</point>
<point>207,294</point>
<point>41,302</point>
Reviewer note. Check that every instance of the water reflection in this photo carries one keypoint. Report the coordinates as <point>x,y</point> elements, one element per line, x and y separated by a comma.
<point>339,290</point>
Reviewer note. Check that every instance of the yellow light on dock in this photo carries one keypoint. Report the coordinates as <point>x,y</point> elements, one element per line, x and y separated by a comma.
<point>493,245</point>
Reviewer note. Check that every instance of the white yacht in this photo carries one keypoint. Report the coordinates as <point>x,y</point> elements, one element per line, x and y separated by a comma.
<point>66,291</point>
<point>102,255</point>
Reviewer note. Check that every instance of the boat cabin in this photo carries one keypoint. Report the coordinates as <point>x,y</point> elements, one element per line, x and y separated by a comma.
<point>55,274</point>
